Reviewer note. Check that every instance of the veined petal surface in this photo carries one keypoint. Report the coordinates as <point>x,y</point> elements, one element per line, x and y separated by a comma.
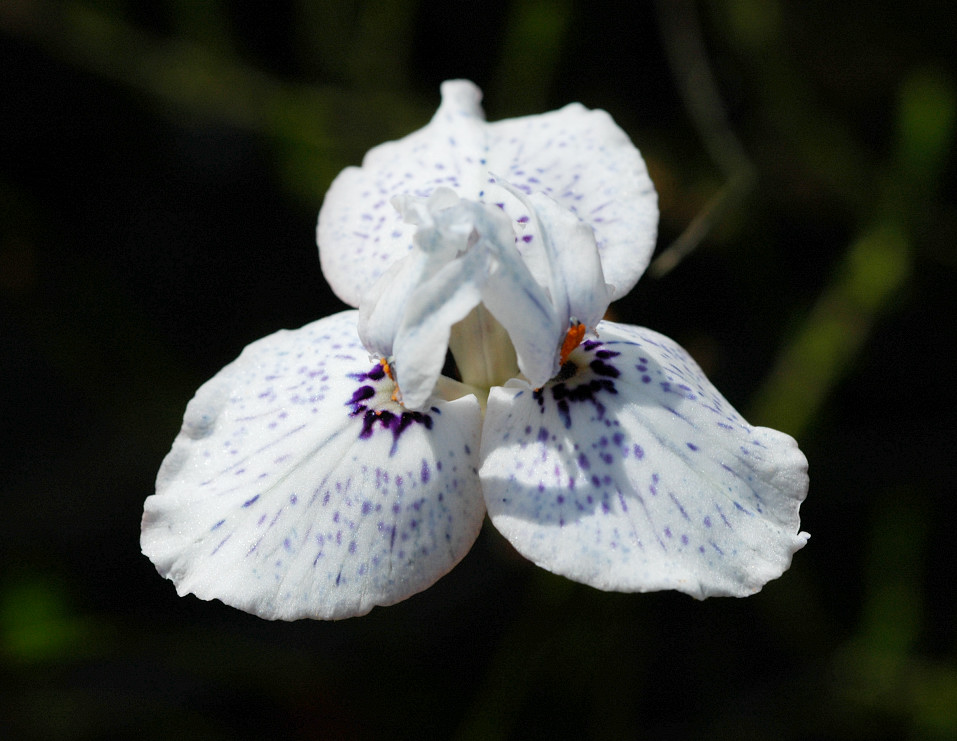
<point>576,283</point>
<point>579,157</point>
<point>297,488</point>
<point>634,474</point>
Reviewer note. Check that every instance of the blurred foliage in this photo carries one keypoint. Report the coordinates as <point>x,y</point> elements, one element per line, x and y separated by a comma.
<point>161,166</point>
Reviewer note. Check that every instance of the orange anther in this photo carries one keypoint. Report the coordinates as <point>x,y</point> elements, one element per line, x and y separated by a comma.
<point>576,333</point>
<point>396,395</point>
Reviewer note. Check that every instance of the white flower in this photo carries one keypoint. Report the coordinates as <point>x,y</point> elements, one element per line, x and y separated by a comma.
<point>312,480</point>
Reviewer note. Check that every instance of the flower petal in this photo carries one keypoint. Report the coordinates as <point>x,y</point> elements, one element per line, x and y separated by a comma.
<point>297,488</point>
<point>442,232</point>
<point>579,157</point>
<point>409,312</point>
<point>585,162</point>
<point>359,232</point>
<point>574,280</point>
<point>634,474</point>
<point>423,336</point>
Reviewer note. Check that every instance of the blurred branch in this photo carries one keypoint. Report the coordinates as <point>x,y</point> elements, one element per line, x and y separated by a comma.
<point>881,671</point>
<point>875,266</point>
<point>534,37</point>
<point>317,122</point>
<point>497,703</point>
<point>381,44</point>
<point>832,335</point>
<point>681,35</point>
<point>203,23</point>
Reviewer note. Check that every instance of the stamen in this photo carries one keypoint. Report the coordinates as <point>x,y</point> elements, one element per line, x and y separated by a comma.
<point>576,333</point>
<point>396,394</point>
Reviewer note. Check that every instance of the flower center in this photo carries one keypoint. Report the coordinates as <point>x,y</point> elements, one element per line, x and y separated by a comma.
<point>482,350</point>
<point>375,401</point>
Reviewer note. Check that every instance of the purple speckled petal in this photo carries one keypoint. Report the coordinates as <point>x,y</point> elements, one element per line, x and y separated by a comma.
<point>631,472</point>
<point>579,157</point>
<point>584,161</point>
<point>297,488</point>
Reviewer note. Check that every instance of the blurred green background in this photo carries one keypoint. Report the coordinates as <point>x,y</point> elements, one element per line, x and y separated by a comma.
<point>161,167</point>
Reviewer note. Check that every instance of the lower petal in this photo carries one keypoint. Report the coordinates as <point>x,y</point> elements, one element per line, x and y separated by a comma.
<point>630,472</point>
<point>297,488</point>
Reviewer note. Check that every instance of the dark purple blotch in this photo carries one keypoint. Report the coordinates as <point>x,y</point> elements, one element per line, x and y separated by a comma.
<point>384,419</point>
<point>601,381</point>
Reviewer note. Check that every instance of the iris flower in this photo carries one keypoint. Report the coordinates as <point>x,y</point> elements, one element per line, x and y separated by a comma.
<point>351,463</point>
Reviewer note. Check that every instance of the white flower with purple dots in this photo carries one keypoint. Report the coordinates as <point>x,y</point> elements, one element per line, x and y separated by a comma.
<point>349,463</point>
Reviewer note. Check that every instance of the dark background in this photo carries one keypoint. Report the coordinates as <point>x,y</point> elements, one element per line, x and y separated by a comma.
<point>161,167</point>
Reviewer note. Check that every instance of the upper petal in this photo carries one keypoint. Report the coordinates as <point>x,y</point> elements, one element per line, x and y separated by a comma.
<point>634,474</point>
<point>584,161</point>
<point>579,157</point>
<point>359,232</point>
<point>297,488</point>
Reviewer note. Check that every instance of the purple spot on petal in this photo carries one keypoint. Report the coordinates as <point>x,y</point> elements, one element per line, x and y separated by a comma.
<point>603,369</point>
<point>361,394</point>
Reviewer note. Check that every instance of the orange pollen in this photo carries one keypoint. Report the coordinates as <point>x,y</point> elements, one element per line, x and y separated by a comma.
<point>396,396</point>
<point>576,333</point>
